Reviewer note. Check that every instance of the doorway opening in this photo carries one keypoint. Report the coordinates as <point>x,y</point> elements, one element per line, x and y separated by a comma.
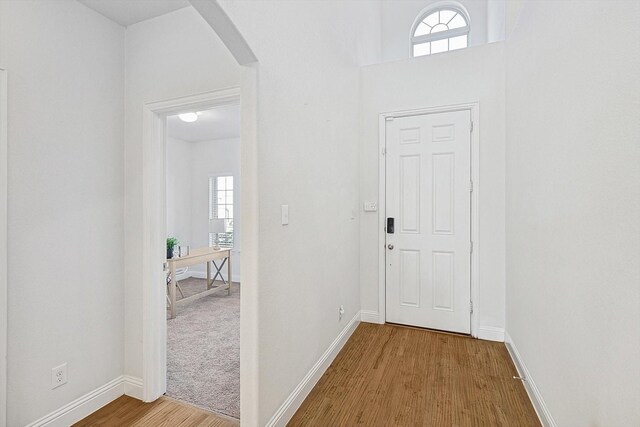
<point>154,250</point>
<point>428,221</point>
<point>203,191</point>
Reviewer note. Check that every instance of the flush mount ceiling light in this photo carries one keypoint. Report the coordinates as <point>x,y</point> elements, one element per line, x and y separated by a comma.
<point>188,117</point>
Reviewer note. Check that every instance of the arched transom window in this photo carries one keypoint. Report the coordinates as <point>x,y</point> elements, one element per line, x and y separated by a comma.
<point>439,30</point>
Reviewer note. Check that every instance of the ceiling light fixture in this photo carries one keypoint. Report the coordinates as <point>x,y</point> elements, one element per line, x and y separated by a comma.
<point>188,117</point>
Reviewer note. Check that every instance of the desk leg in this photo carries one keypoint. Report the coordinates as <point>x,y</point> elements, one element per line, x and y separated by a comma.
<point>229,274</point>
<point>209,275</point>
<point>172,292</point>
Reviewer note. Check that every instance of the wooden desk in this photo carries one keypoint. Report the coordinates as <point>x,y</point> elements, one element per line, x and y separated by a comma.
<point>197,256</point>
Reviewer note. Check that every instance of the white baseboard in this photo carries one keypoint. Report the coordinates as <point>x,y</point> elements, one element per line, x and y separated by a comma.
<point>302,390</point>
<point>90,402</point>
<point>491,333</point>
<point>369,316</point>
<point>529,384</point>
<point>133,386</point>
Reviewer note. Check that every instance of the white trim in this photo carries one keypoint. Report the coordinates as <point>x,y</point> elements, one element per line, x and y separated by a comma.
<point>154,350</point>
<point>369,316</point>
<point>302,390</point>
<point>133,386</point>
<point>491,333</point>
<point>440,35</point>
<point>3,246</point>
<point>89,403</point>
<point>474,110</point>
<point>382,214</point>
<point>546,419</point>
<point>436,7</point>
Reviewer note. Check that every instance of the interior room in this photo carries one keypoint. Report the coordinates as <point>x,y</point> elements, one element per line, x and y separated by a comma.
<point>203,191</point>
<point>439,222</point>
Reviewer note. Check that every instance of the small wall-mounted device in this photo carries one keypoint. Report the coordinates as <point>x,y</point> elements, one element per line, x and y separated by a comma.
<point>370,206</point>
<point>390,228</point>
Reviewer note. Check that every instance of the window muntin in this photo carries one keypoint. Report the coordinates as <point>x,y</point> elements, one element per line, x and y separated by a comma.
<point>440,30</point>
<point>221,208</point>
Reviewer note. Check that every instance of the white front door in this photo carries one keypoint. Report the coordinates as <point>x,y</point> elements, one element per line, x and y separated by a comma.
<point>428,255</point>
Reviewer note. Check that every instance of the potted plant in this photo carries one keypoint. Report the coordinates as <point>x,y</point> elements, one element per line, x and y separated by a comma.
<point>172,242</point>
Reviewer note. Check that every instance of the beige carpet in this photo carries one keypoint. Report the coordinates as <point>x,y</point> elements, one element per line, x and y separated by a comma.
<point>203,349</point>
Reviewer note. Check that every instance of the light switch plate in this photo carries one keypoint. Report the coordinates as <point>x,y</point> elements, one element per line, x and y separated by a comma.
<point>285,214</point>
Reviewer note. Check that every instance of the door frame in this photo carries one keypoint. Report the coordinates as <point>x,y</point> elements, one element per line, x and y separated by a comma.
<point>154,331</point>
<point>3,245</point>
<point>474,110</point>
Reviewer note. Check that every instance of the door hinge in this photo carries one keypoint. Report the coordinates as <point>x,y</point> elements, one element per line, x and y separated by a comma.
<point>384,151</point>
<point>471,127</point>
<point>470,186</point>
<point>471,307</point>
<point>471,247</point>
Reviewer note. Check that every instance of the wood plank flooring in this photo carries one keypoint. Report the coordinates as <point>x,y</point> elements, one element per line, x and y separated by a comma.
<point>127,411</point>
<point>385,375</point>
<point>389,375</point>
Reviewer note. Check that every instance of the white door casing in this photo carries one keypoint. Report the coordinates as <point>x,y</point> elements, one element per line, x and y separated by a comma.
<point>154,353</point>
<point>3,245</point>
<point>428,184</point>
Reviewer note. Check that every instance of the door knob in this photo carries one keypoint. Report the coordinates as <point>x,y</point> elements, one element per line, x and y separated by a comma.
<point>390,246</point>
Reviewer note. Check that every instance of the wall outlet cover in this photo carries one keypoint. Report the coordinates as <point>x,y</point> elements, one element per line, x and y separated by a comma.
<point>58,376</point>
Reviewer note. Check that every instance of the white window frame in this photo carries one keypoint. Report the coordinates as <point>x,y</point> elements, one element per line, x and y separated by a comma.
<point>233,203</point>
<point>441,35</point>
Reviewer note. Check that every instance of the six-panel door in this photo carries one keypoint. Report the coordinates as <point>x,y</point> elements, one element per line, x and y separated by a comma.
<point>428,177</point>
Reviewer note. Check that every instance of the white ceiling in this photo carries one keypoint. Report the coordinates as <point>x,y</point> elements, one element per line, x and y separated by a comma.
<point>218,123</point>
<point>127,12</point>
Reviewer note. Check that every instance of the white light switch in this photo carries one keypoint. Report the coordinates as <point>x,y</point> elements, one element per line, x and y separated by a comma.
<point>370,206</point>
<point>285,214</point>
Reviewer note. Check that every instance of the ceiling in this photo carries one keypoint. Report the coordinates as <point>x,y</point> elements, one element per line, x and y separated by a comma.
<point>127,12</point>
<point>217,123</point>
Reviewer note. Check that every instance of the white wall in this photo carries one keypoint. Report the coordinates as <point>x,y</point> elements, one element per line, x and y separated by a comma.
<point>471,75</point>
<point>398,18</point>
<point>178,197</point>
<point>65,171</point>
<point>573,204</point>
<point>170,56</point>
<point>496,20</point>
<point>308,158</point>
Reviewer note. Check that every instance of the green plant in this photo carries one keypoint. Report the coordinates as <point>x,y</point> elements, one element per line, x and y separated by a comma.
<point>172,242</point>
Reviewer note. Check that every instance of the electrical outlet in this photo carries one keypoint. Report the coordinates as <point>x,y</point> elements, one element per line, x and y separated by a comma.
<point>59,376</point>
<point>340,312</point>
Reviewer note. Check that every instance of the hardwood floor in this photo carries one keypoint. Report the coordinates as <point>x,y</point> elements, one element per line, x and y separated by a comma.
<point>386,375</point>
<point>389,375</point>
<point>127,411</point>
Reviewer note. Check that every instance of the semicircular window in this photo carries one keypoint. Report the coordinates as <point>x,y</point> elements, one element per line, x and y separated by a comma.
<point>440,30</point>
